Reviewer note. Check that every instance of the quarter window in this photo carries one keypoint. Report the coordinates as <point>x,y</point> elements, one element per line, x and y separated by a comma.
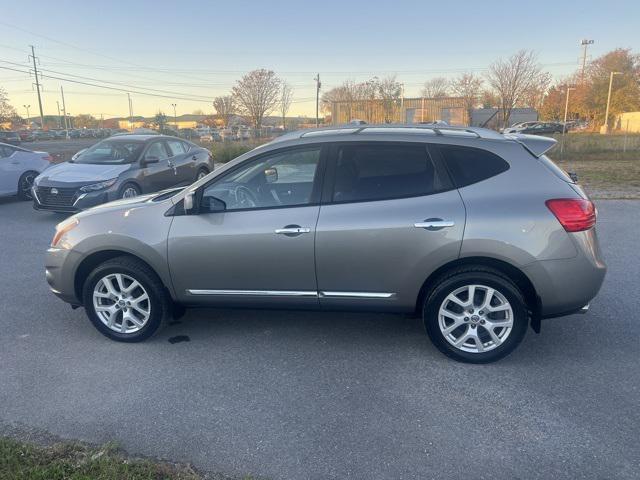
<point>177,147</point>
<point>471,165</point>
<point>378,172</point>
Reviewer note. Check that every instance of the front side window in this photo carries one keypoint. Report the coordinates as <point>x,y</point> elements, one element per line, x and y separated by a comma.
<point>111,152</point>
<point>279,180</point>
<point>366,172</point>
<point>6,152</point>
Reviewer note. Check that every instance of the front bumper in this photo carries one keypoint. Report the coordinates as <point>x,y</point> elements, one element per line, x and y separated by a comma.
<point>60,265</point>
<point>71,202</point>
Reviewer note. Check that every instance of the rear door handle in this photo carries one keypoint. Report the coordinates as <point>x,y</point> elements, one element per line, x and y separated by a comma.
<point>434,224</point>
<point>292,230</point>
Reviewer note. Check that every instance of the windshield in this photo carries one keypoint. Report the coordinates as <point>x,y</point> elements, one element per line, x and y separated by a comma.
<point>111,152</point>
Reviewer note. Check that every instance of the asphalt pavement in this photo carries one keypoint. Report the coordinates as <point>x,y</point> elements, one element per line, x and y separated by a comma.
<point>291,395</point>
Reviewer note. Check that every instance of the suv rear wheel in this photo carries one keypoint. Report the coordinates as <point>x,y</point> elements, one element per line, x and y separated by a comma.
<point>475,315</point>
<point>125,299</point>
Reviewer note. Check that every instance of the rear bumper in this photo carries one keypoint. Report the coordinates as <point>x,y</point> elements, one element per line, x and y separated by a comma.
<point>566,286</point>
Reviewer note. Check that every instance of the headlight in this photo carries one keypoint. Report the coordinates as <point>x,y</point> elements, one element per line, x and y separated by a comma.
<point>98,186</point>
<point>62,228</point>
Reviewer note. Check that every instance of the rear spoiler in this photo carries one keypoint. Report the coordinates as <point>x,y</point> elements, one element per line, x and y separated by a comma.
<point>536,145</point>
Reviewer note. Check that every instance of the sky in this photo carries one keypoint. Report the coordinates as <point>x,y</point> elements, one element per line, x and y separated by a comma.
<point>188,52</point>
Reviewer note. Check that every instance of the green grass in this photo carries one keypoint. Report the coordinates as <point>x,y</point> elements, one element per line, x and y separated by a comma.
<point>75,461</point>
<point>224,152</point>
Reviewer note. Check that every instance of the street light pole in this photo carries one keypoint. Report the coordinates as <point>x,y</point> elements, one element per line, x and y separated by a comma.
<point>564,125</point>
<point>318,84</point>
<point>175,118</point>
<point>605,127</point>
<point>27,107</point>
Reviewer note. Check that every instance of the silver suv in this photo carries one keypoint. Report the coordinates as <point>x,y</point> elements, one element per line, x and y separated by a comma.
<point>477,232</point>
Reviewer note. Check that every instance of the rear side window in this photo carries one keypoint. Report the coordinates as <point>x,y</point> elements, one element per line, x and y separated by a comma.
<point>177,147</point>
<point>366,172</point>
<point>471,165</point>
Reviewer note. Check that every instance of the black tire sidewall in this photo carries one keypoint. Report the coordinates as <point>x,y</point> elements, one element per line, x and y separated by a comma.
<point>202,170</point>
<point>127,185</point>
<point>155,298</point>
<point>505,287</point>
<point>21,195</point>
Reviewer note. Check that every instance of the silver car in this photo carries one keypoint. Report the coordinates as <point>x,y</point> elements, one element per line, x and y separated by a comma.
<point>18,169</point>
<point>478,233</point>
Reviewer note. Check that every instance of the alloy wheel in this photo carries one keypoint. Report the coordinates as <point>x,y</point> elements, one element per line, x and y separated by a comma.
<point>26,184</point>
<point>129,192</point>
<point>121,303</point>
<point>475,318</point>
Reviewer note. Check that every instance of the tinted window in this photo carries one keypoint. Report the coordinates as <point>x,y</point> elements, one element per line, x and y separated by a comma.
<point>5,151</point>
<point>278,180</point>
<point>471,165</point>
<point>378,172</point>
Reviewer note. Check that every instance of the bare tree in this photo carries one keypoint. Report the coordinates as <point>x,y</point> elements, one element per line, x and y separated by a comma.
<point>436,88</point>
<point>286,96</point>
<point>512,78</point>
<point>257,94</point>
<point>7,112</point>
<point>225,107</point>
<point>389,91</point>
<point>468,87</point>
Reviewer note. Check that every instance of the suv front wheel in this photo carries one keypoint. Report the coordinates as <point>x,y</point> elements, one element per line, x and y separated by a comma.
<point>475,315</point>
<point>125,299</point>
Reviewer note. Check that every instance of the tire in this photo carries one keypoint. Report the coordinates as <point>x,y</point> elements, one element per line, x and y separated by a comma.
<point>128,189</point>
<point>158,304</point>
<point>508,319</point>
<point>201,173</point>
<point>24,185</point>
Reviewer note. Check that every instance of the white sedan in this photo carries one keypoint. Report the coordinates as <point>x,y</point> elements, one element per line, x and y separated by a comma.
<point>18,168</point>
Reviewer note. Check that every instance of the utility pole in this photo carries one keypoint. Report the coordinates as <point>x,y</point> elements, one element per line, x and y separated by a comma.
<point>175,118</point>
<point>35,73</point>
<point>605,128</point>
<point>59,119</point>
<point>130,112</point>
<point>318,84</point>
<point>564,125</point>
<point>584,44</point>
<point>64,110</point>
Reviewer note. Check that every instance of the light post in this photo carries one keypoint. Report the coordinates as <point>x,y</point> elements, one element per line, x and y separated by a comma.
<point>27,107</point>
<point>175,118</point>
<point>564,125</point>
<point>605,128</point>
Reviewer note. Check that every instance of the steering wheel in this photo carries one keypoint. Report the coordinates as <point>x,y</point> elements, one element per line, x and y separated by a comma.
<point>245,198</point>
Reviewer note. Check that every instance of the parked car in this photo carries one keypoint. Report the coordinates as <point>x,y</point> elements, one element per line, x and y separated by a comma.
<point>43,135</point>
<point>479,233</point>
<point>120,167</point>
<point>12,138</point>
<point>226,134</point>
<point>26,135</point>
<point>74,133</point>
<point>542,128</point>
<point>518,127</point>
<point>189,134</point>
<point>18,168</point>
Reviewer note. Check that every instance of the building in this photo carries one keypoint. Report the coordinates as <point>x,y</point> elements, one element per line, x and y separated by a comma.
<point>628,122</point>
<point>407,110</point>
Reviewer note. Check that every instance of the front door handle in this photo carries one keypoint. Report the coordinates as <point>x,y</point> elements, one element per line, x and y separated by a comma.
<point>434,224</point>
<point>292,230</point>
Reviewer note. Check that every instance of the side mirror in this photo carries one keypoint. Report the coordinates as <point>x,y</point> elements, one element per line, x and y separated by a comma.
<point>271,175</point>
<point>150,159</point>
<point>189,201</point>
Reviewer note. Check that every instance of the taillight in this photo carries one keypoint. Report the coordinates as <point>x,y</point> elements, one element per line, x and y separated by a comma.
<point>574,214</point>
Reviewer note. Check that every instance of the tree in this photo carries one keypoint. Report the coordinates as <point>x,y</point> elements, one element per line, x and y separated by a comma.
<point>160,120</point>
<point>85,120</point>
<point>7,112</point>
<point>467,86</point>
<point>489,99</point>
<point>625,91</point>
<point>512,78</point>
<point>436,88</point>
<point>390,92</point>
<point>257,94</point>
<point>554,103</point>
<point>225,107</point>
<point>286,96</point>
